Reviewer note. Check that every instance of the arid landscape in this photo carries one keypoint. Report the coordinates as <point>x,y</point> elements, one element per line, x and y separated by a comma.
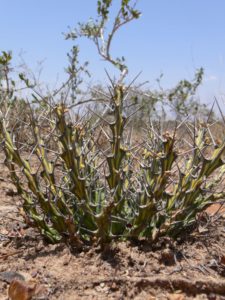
<point>112,183</point>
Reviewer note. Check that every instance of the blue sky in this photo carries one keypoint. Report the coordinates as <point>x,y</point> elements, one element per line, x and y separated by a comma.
<point>173,37</point>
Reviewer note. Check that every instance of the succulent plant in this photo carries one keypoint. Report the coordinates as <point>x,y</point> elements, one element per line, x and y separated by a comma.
<point>80,192</point>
